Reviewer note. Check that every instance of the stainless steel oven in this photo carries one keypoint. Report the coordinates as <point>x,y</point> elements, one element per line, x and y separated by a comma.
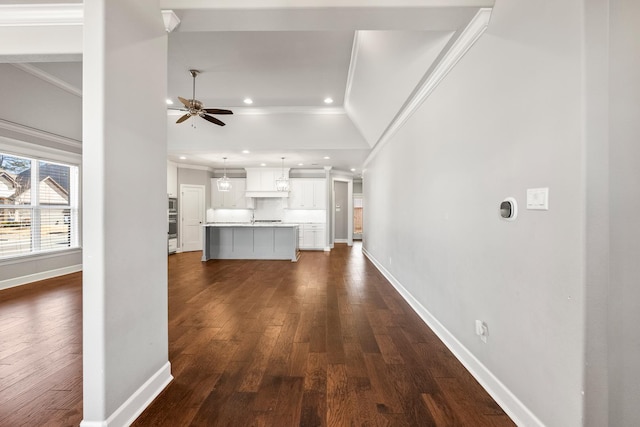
<point>173,204</point>
<point>172,214</point>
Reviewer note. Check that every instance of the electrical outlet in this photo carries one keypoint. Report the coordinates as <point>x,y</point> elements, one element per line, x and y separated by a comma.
<point>482,330</point>
<point>478,327</point>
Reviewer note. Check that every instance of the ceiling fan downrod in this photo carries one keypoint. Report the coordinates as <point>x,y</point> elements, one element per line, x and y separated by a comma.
<point>194,74</point>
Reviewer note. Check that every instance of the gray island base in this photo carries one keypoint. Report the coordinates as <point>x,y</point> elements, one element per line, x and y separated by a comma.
<point>250,241</point>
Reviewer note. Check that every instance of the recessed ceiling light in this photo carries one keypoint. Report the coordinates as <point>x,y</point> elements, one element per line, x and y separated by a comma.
<point>246,151</point>
<point>169,102</point>
<point>328,100</point>
<point>353,169</point>
<point>263,164</point>
<point>326,157</point>
<point>182,158</point>
<point>248,101</point>
<point>300,164</point>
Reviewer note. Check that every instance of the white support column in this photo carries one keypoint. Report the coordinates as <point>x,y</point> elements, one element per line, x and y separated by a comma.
<point>124,210</point>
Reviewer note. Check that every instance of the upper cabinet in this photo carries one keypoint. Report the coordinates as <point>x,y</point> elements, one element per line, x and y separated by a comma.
<point>172,179</point>
<point>307,193</point>
<point>232,199</point>
<point>261,182</point>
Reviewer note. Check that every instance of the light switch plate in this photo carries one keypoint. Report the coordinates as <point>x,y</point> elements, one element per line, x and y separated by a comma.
<point>538,199</point>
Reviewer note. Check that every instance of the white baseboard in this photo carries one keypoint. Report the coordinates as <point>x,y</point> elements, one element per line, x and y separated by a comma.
<point>23,280</point>
<point>519,413</point>
<point>341,240</point>
<point>127,413</point>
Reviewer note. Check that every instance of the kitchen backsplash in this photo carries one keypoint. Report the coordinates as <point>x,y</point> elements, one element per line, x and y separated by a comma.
<point>229,215</point>
<point>266,209</point>
<point>269,209</point>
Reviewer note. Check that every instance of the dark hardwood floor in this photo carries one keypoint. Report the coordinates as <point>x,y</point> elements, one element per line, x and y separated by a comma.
<point>325,341</point>
<point>41,353</point>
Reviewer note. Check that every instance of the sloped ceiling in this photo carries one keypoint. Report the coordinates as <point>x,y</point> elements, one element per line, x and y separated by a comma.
<point>369,60</point>
<point>288,57</point>
<point>386,69</point>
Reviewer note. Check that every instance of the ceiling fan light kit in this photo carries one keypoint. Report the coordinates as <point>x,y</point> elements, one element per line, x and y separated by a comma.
<point>224,184</point>
<point>194,107</point>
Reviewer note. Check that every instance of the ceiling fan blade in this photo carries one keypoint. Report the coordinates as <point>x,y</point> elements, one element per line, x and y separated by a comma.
<point>217,111</point>
<point>212,119</point>
<point>177,109</point>
<point>183,118</point>
<point>186,102</point>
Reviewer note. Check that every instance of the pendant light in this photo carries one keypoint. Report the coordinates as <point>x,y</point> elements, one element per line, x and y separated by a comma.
<point>282,183</point>
<point>223,183</point>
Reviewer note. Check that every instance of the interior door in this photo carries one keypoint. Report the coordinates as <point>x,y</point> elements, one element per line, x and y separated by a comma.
<point>192,217</point>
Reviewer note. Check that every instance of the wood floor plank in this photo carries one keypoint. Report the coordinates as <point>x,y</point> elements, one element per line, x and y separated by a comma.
<point>324,341</point>
<point>340,407</point>
<point>260,359</point>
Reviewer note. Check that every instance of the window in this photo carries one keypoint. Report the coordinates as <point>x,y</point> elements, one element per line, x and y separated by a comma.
<point>37,217</point>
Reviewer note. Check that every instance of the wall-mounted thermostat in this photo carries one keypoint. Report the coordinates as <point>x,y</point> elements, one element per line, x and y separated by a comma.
<point>509,209</point>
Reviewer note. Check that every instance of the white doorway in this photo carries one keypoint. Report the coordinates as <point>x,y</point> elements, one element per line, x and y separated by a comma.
<point>342,211</point>
<point>191,217</point>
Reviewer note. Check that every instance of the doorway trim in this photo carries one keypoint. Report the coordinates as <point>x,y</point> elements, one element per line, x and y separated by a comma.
<point>181,210</point>
<point>349,182</point>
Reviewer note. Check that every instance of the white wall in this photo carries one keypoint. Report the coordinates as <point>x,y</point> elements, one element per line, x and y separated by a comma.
<point>32,102</point>
<point>193,176</point>
<point>125,342</point>
<point>507,118</point>
<point>38,109</point>
<point>624,294</point>
<point>341,216</point>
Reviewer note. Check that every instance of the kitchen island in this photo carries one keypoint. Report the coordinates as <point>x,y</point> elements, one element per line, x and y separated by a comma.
<point>275,241</point>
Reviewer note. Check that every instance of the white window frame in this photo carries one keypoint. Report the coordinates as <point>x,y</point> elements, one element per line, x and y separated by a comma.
<point>45,154</point>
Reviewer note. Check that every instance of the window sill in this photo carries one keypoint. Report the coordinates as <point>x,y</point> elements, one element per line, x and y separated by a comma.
<point>40,255</point>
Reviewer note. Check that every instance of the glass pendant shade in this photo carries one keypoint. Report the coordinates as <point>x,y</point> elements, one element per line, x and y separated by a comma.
<point>282,183</point>
<point>224,184</point>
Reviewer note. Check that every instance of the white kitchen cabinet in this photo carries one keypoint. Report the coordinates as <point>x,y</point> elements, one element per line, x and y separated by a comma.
<point>264,179</point>
<point>312,236</point>
<point>307,193</point>
<point>319,194</point>
<point>232,199</point>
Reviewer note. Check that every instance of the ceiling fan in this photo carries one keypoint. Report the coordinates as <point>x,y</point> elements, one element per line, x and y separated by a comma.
<point>193,107</point>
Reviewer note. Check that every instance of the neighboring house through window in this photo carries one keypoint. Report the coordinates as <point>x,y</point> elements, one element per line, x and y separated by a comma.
<point>37,218</point>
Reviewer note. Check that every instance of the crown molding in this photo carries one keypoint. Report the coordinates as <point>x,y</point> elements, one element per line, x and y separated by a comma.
<point>312,4</point>
<point>352,66</point>
<point>21,15</point>
<point>253,111</point>
<point>460,46</point>
<point>195,167</point>
<point>40,134</point>
<point>12,15</point>
<point>43,75</point>
<point>355,50</point>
